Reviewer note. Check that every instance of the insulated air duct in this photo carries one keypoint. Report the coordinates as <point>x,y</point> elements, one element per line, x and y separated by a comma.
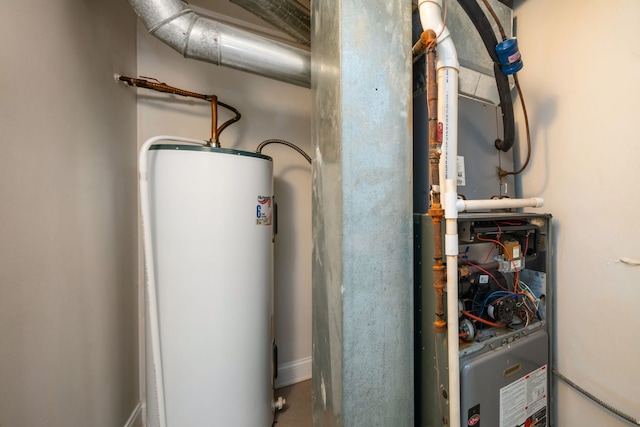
<point>204,39</point>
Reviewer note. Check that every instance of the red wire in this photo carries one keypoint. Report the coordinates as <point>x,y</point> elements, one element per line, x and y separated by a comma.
<point>480,319</point>
<point>491,249</point>
<point>486,272</point>
<point>506,251</point>
<point>488,253</point>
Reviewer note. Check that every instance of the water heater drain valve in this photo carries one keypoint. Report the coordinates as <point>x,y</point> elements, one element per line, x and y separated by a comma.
<point>278,404</point>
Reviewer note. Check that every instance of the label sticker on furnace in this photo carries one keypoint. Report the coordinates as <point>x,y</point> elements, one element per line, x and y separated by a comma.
<point>264,211</point>
<point>524,402</point>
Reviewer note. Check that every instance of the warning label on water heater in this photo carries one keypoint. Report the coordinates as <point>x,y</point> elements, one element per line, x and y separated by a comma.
<point>264,211</point>
<point>524,402</point>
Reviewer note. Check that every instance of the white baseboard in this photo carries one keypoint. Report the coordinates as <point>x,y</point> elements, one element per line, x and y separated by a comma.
<point>293,372</point>
<point>135,418</point>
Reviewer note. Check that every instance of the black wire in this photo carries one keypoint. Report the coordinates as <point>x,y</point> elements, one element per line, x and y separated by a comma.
<point>283,142</point>
<point>605,405</point>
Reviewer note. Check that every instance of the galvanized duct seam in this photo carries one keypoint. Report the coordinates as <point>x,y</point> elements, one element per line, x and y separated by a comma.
<point>204,39</point>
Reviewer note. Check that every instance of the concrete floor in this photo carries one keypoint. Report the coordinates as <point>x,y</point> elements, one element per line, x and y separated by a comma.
<point>297,411</point>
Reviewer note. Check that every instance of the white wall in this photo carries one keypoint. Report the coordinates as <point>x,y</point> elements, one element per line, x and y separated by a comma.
<point>68,262</point>
<point>269,109</point>
<point>581,83</point>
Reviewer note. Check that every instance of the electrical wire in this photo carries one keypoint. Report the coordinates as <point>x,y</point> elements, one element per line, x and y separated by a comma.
<point>506,251</point>
<point>481,320</point>
<point>533,298</point>
<point>283,142</point>
<point>488,254</point>
<point>504,294</point>
<point>610,408</point>
<point>484,271</point>
<point>444,19</point>
<point>516,272</point>
<point>497,237</point>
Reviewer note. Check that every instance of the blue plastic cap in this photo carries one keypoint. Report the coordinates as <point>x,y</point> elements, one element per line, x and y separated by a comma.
<point>509,56</point>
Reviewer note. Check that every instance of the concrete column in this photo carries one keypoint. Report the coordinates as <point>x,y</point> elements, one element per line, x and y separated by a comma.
<point>362,214</point>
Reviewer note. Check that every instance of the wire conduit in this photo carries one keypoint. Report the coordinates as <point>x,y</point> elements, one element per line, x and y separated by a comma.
<point>605,405</point>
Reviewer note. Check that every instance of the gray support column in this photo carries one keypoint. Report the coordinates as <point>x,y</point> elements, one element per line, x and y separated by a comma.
<point>362,214</point>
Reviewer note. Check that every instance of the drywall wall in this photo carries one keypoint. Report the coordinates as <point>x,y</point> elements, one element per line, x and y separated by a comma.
<point>68,260</point>
<point>269,109</point>
<point>580,81</point>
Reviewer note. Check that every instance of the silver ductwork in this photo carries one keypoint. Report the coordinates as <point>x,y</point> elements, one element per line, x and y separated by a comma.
<point>205,39</point>
<point>286,15</point>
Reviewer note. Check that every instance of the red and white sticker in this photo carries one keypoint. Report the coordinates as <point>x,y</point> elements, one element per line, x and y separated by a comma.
<point>264,210</point>
<point>524,402</point>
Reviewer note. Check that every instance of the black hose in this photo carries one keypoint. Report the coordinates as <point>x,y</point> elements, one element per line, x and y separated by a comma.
<point>483,26</point>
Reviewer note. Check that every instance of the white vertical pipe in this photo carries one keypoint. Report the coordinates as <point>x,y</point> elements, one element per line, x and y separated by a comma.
<point>448,80</point>
<point>448,69</point>
<point>154,324</point>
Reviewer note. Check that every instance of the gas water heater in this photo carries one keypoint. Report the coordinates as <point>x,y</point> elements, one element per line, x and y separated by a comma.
<point>211,218</point>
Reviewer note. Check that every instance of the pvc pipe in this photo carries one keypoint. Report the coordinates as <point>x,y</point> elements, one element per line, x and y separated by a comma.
<point>448,69</point>
<point>431,18</point>
<point>451,249</point>
<point>474,205</point>
<point>154,320</point>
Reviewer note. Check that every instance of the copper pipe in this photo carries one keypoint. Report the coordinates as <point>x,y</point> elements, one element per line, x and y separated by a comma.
<point>163,87</point>
<point>439,273</point>
<point>428,39</point>
<point>432,112</point>
<point>496,19</point>
<point>214,121</point>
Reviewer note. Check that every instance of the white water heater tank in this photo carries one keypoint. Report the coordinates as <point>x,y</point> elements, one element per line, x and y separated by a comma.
<point>211,218</point>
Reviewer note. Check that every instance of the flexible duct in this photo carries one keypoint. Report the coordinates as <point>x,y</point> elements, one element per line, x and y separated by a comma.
<point>482,24</point>
<point>205,39</point>
<point>286,15</point>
